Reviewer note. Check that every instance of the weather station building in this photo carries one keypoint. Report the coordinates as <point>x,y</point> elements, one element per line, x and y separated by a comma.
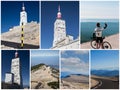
<point>30,31</point>
<point>61,39</point>
<point>9,78</point>
<point>15,77</point>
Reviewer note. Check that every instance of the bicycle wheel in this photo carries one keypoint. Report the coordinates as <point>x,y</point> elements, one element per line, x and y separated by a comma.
<point>106,45</point>
<point>93,44</point>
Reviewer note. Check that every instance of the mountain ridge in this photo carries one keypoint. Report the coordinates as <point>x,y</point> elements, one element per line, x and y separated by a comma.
<point>108,73</point>
<point>68,74</point>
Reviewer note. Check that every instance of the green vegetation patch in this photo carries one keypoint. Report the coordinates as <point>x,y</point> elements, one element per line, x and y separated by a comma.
<point>53,85</point>
<point>37,66</point>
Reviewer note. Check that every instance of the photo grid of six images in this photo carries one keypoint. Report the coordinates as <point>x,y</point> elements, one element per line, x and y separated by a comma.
<point>60,44</point>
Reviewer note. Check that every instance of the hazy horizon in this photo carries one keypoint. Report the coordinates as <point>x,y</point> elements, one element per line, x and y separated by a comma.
<point>47,57</point>
<point>99,20</point>
<point>100,9</point>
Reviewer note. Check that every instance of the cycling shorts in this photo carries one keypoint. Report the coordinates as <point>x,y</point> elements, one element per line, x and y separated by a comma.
<point>99,39</point>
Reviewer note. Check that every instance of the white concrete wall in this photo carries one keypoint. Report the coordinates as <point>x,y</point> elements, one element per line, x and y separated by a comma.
<point>75,44</point>
<point>16,70</point>
<point>59,31</point>
<point>9,78</point>
<point>23,18</point>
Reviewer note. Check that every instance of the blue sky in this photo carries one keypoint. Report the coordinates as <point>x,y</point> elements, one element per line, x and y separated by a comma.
<point>10,13</point>
<point>70,13</point>
<point>75,62</point>
<point>105,59</point>
<point>8,55</point>
<point>49,57</point>
<point>100,9</point>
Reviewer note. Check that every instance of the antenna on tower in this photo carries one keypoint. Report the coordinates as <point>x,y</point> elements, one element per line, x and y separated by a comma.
<point>23,4</point>
<point>59,15</point>
<point>59,8</point>
<point>23,7</point>
<point>16,54</point>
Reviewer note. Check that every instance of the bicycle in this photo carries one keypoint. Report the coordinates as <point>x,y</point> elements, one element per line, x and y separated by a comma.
<point>105,44</point>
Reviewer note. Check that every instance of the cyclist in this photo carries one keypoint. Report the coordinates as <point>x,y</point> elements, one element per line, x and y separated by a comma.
<point>98,34</point>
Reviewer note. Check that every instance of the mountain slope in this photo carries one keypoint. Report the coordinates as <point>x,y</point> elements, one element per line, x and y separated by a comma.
<point>75,81</point>
<point>31,34</point>
<point>43,76</point>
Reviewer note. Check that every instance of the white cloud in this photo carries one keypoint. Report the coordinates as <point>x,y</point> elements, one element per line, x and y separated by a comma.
<point>64,69</point>
<point>77,52</point>
<point>70,60</point>
<point>82,52</point>
<point>74,65</point>
<point>44,54</point>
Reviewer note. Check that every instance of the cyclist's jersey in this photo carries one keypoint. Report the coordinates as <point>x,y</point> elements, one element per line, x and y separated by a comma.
<point>98,31</point>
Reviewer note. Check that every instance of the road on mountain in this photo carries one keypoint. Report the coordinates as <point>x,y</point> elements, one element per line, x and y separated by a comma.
<point>106,84</point>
